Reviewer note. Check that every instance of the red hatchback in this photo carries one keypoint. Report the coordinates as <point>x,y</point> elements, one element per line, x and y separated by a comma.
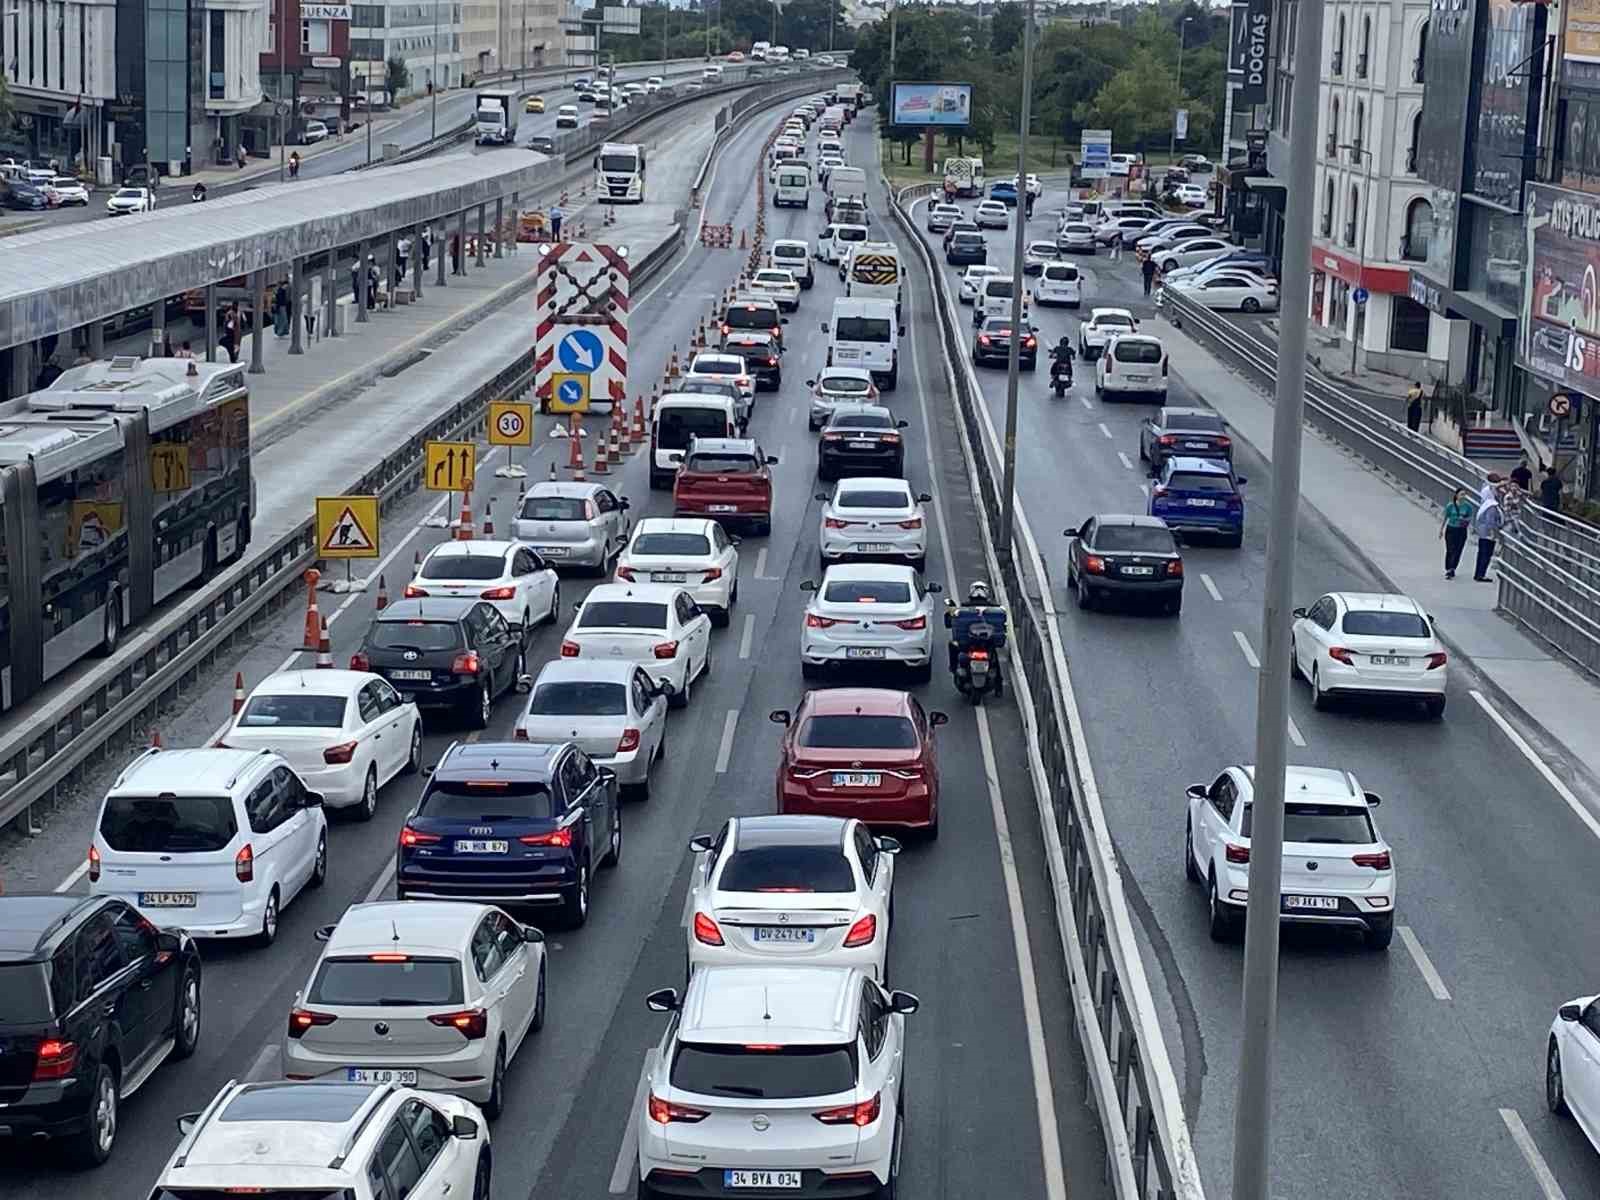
<point>728,480</point>
<point>861,752</point>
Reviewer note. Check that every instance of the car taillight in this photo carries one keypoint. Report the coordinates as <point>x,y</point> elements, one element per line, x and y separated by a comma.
<point>360,662</point>
<point>244,864</point>
<point>569,648</point>
<point>302,1019</point>
<point>94,865</point>
<point>1436,660</point>
<point>913,523</point>
<point>664,1113</point>
<point>627,573</point>
<point>1167,439</point>
<point>1094,564</point>
<point>559,838</point>
<point>983,339</point>
<point>1175,569</point>
<point>465,664</point>
<point>833,437</point>
<point>413,591</point>
<point>56,1059</point>
<point>862,932</point>
<point>772,360</point>
<point>1236,854</point>
<point>589,512</point>
<point>814,621</point>
<point>1223,443</point>
<point>665,650</point>
<point>1159,491</point>
<point>1378,862</point>
<point>499,593</point>
<point>1163,368</point>
<point>628,741</point>
<point>893,438</point>
<point>415,837</point>
<point>1029,343</point>
<point>473,1023</point>
<point>706,931</point>
<point>725,328</point>
<point>859,1115</point>
<point>521,735</point>
<point>912,623</point>
<point>711,573</point>
<point>1340,654</point>
<point>1111,363</point>
<point>342,753</point>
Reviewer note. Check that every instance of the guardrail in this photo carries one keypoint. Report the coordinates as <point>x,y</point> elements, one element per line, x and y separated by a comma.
<point>1148,1151</point>
<point>1548,570</point>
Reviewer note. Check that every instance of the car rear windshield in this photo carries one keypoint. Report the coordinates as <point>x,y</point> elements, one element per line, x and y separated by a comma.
<point>862,329</point>
<point>750,316</point>
<point>867,591</point>
<point>788,869</point>
<point>1194,423</point>
<point>997,288</point>
<point>1043,249</point>
<point>1077,227</point>
<point>860,420</point>
<point>858,731</point>
<point>379,980</point>
<point>1386,624</point>
<point>555,508</point>
<point>789,252</point>
<point>1131,351</point>
<point>722,464</point>
<point>847,385</point>
<point>579,698</point>
<point>25,994</point>
<point>861,498</point>
<point>167,824</point>
<point>850,233</point>
<point>788,1073</point>
<point>1148,538</point>
<point>488,800</point>
<point>1113,321</point>
<point>295,710</point>
<point>718,366</point>
<point>1200,481</point>
<point>965,238</point>
<point>1064,273</point>
<point>676,426</point>
<point>414,635</point>
<point>266,1193</point>
<point>689,545</point>
<point>1323,824</point>
<point>464,566</point>
<point>623,614</point>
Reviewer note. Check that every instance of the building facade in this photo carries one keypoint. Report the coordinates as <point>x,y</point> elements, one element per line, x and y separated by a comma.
<point>424,34</point>
<point>305,67</point>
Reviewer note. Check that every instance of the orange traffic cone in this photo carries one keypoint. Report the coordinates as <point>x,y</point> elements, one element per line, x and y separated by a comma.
<point>600,466</point>
<point>313,617</point>
<point>639,434</point>
<point>488,518</point>
<point>464,524</point>
<point>324,649</point>
<point>744,243</point>
<point>238,692</point>
<point>155,739</point>
<point>383,594</point>
<point>613,444</point>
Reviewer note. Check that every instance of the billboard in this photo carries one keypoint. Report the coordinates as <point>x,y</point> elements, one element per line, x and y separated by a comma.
<point>1095,153</point>
<point>1238,23</point>
<point>931,104</point>
<point>1256,50</point>
<point>1447,98</point>
<point>1502,141</point>
<point>1559,333</point>
<point>1581,51</point>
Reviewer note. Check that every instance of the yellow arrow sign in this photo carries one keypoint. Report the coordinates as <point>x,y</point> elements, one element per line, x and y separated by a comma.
<point>569,392</point>
<point>450,466</point>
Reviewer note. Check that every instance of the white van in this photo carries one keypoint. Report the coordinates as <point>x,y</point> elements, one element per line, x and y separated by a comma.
<point>1059,283</point>
<point>864,334</point>
<point>680,418</point>
<point>847,183</point>
<point>794,185</point>
<point>994,299</point>
<point>1133,364</point>
<point>874,273</point>
<point>840,244</point>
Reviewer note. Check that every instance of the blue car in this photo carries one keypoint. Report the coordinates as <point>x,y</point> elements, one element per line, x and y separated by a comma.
<point>1005,192</point>
<point>1199,495</point>
<point>514,824</point>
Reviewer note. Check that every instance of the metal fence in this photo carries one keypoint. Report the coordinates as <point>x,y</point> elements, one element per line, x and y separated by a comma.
<point>1130,1077</point>
<point>1549,565</point>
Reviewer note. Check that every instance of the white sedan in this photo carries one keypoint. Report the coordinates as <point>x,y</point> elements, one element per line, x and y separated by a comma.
<point>511,576</point>
<point>64,190</point>
<point>773,283</point>
<point>1572,1065</point>
<point>1194,250</point>
<point>1228,289</point>
<point>611,709</point>
<point>1119,230</point>
<point>692,552</point>
<point>130,200</point>
<point>972,280</point>
<point>727,368</point>
<point>1075,237</point>
<point>942,216</point>
<point>1368,645</point>
<point>835,386</point>
<point>795,889</point>
<point>868,613</point>
<point>654,84</point>
<point>992,214</point>
<point>345,733</point>
<point>657,625</point>
<point>1103,325</point>
<point>869,518</point>
<point>1037,254</point>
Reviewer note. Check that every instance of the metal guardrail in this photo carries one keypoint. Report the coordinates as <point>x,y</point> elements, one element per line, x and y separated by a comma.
<point>1548,564</point>
<point>1148,1151</point>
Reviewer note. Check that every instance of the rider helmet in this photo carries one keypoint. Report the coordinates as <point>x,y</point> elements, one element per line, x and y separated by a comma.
<point>978,593</point>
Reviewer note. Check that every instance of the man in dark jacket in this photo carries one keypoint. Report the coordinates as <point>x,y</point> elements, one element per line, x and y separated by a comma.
<point>1148,267</point>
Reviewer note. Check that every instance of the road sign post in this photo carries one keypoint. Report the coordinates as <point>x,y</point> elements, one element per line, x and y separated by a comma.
<point>510,425</point>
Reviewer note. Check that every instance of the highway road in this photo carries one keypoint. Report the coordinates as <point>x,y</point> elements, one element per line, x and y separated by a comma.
<point>994,1087</point>
<point>1402,1074</point>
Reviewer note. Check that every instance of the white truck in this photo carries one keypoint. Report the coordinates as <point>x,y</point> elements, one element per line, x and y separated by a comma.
<point>850,95</point>
<point>758,51</point>
<point>498,110</point>
<point>966,174</point>
<point>620,173</point>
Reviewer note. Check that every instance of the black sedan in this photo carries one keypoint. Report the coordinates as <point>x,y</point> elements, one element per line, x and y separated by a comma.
<point>444,652</point>
<point>21,194</point>
<point>861,440</point>
<point>966,249</point>
<point>762,355</point>
<point>543,143</point>
<point>1190,432</point>
<point>1125,557</point>
<point>992,344</point>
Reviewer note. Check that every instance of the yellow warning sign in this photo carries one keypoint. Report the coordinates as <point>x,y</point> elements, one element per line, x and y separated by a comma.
<point>510,423</point>
<point>169,467</point>
<point>450,466</point>
<point>91,524</point>
<point>569,392</point>
<point>347,526</point>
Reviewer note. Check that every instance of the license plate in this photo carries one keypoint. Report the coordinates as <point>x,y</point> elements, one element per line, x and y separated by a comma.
<point>722,508</point>
<point>862,445</point>
<point>1321,903</point>
<point>1136,378</point>
<point>1390,660</point>
<point>847,355</point>
<point>552,551</point>
<point>849,779</point>
<point>480,846</point>
<point>873,547</point>
<point>1203,503</point>
<point>1138,570</point>
<point>406,1077</point>
<point>409,674</point>
<point>1197,445</point>
<point>761,1179</point>
<point>864,652</point>
<point>166,899</point>
<point>780,933</point>
<point>668,577</point>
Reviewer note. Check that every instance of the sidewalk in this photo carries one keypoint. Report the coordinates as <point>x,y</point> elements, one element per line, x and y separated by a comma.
<point>1397,535</point>
<point>258,168</point>
<point>1329,355</point>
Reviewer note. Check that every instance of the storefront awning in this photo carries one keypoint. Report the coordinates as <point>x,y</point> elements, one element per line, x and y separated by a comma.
<point>1375,277</point>
<point>1472,306</point>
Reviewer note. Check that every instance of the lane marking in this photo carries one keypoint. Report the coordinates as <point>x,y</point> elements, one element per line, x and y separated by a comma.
<point>1541,1170</point>
<point>628,1152</point>
<point>748,634</point>
<point>258,1069</point>
<point>1244,648</point>
<point>1210,587</point>
<point>725,751</point>
<point>1086,402</point>
<point>71,881</point>
<point>1109,435</point>
<point>1517,740</point>
<point>1295,735</point>
<point>1127,462</point>
<point>761,565</point>
<point>1424,964</point>
<point>1145,488</point>
<point>380,885</point>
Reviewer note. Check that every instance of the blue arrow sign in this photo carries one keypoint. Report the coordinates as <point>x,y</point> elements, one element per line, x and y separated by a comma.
<point>581,352</point>
<point>1361,295</point>
<point>570,392</point>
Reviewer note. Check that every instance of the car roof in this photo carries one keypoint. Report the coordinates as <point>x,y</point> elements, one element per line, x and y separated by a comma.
<point>749,337</point>
<point>852,701</point>
<point>313,683</point>
<point>587,670</point>
<point>745,301</point>
<point>198,771</point>
<point>1199,466</point>
<point>713,356</point>
<point>1176,410</point>
<point>28,921</point>
<point>1096,313</point>
<point>562,487</point>
<point>473,549</point>
<point>870,483</point>
<point>1318,783</point>
<point>789,830</point>
<point>406,925</point>
<point>1377,602</point>
<point>673,525</point>
<point>891,572</point>
<point>739,1005</point>
<point>845,414</point>
<point>846,373</point>
<point>264,1126</point>
<point>1130,519</point>
<point>432,608</point>
<point>791,242</point>
<point>702,445</point>
<point>515,759</point>
<point>655,593</point>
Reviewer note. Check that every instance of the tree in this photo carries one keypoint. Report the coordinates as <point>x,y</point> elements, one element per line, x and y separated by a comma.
<point>1005,28</point>
<point>7,109</point>
<point>1136,105</point>
<point>398,75</point>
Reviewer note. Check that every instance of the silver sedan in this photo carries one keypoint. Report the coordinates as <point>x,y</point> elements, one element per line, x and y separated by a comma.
<point>610,709</point>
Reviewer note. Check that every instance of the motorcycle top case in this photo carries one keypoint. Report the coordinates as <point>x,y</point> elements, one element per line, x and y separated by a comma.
<point>979,627</point>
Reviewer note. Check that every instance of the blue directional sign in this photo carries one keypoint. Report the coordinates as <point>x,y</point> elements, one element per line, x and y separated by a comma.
<point>570,393</point>
<point>1361,295</point>
<point>581,352</point>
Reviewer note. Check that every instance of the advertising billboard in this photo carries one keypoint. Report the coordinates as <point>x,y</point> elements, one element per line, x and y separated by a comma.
<point>1255,51</point>
<point>1094,152</point>
<point>1502,137</point>
<point>1238,22</point>
<point>931,104</point>
<point>1559,334</point>
<point>1448,96</point>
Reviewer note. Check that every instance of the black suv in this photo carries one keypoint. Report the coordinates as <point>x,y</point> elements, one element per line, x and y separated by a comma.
<point>512,823</point>
<point>93,998</point>
<point>763,357</point>
<point>444,652</point>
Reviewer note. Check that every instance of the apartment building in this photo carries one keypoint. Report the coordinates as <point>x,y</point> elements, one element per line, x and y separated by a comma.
<point>425,34</point>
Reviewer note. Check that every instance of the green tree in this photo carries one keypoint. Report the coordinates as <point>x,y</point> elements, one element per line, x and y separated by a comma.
<point>397,74</point>
<point>1005,28</point>
<point>1137,103</point>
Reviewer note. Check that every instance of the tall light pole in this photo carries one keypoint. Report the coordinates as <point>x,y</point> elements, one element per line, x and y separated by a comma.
<point>433,73</point>
<point>833,20</point>
<point>1172,142</point>
<point>283,131</point>
<point>894,12</point>
<point>1362,220</point>
<point>1008,497</point>
<point>1252,1119</point>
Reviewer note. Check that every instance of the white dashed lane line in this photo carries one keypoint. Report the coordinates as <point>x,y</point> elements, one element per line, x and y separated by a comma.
<point>1542,1174</point>
<point>1211,587</point>
<point>1107,431</point>
<point>725,751</point>
<point>748,634</point>
<point>1425,965</point>
<point>1295,735</point>
<point>1247,650</point>
<point>1086,402</point>
<point>1127,462</point>
<point>1521,743</point>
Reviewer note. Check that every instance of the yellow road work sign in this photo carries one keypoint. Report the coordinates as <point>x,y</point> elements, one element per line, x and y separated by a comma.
<point>347,526</point>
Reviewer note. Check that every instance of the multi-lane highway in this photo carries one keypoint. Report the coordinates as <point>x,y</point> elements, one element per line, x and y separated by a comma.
<point>994,1078</point>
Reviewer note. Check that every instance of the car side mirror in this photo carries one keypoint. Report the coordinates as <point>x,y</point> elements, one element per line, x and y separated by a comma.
<point>809,585</point>
<point>735,540</point>
<point>783,320</point>
<point>824,327</point>
<point>902,424</point>
<point>324,932</point>
<point>532,935</point>
<point>887,844</point>
<point>623,504</point>
<point>904,1003</point>
<point>823,496</point>
<point>1373,799</point>
<point>663,1000</point>
<point>464,1128</point>
<point>937,718</point>
<point>935,587</point>
<point>188,1121</point>
<point>1567,1012</point>
<point>607,775</point>
<point>1299,612</point>
<point>924,498</point>
<point>772,460</point>
<point>666,688</point>
<point>1241,480</point>
<point>813,382</point>
<point>700,843</point>
<point>577,606</point>
<point>780,716</point>
<point>311,800</point>
<point>1195,791</point>
<point>902,331</point>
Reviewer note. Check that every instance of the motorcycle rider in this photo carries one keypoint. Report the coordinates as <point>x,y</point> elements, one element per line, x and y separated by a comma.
<point>1061,355</point>
<point>979,609</point>
<point>199,192</point>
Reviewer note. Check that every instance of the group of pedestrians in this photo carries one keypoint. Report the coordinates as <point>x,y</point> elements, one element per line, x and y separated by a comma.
<point>1497,506</point>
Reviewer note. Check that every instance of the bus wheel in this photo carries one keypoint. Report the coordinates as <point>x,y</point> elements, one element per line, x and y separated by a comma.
<point>113,627</point>
<point>208,560</point>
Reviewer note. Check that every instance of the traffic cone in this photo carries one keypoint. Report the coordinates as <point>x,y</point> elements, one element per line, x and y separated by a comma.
<point>488,518</point>
<point>155,739</point>
<point>614,444</point>
<point>600,466</point>
<point>383,594</point>
<point>324,648</point>
<point>672,367</point>
<point>238,692</point>
<point>744,243</point>
<point>464,524</point>
<point>313,616</point>
<point>552,470</point>
<point>639,434</point>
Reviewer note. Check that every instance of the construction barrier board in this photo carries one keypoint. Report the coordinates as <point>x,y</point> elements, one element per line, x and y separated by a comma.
<point>581,321</point>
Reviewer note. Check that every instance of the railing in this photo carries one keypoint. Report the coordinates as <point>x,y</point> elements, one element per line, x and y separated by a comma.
<point>1131,1082</point>
<point>1549,565</point>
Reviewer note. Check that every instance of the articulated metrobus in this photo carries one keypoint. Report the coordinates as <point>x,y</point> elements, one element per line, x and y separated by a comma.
<point>121,483</point>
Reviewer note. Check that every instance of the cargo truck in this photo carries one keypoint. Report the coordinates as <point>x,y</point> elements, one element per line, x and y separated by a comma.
<point>498,110</point>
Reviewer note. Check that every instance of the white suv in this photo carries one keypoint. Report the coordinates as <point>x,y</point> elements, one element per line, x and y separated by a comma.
<point>330,1139</point>
<point>215,841</point>
<point>775,1078</point>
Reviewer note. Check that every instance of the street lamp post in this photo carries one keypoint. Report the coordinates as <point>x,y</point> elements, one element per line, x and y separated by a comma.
<point>1172,142</point>
<point>1358,319</point>
<point>433,74</point>
<point>1008,497</point>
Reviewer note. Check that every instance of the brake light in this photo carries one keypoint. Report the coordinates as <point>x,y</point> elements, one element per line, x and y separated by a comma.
<point>244,864</point>
<point>1030,342</point>
<point>1436,660</point>
<point>413,837</point>
<point>94,864</point>
<point>913,523</point>
<point>776,331</point>
<point>465,664</point>
<point>1236,854</point>
<point>1340,654</point>
<point>889,437</point>
<point>499,593</point>
<point>834,523</point>
<point>665,650</point>
<point>57,1059</point>
<point>1159,491</point>
<point>862,932</point>
<point>983,339</point>
<point>342,753</point>
<point>860,1115</point>
<point>413,591</point>
<point>1110,361</point>
<point>706,931</point>
<point>814,621</point>
<point>588,510</point>
<point>725,329</point>
<point>360,662</point>
<point>1378,862</point>
<point>1223,443</point>
<point>978,655</point>
<point>772,360</point>
<point>663,1113</point>
<point>559,838</point>
<point>1094,564</point>
<point>521,735</point>
<point>711,573</point>
<point>1163,368</point>
<point>473,1023</point>
<point>628,741</point>
<point>1167,439</point>
<point>912,623</point>
<point>1175,569</point>
<point>302,1019</point>
<point>569,648</point>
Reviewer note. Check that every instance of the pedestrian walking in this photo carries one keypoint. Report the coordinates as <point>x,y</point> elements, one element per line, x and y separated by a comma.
<point>455,254</point>
<point>427,247</point>
<point>1414,407</point>
<point>280,310</point>
<point>1028,206</point>
<point>1454,528</point>
<point>402,252</point>
<point>1550,489</point>
<point>1522,476</point>
<point>1148,268</point>
<point>555,222</point>
<point>230,336</point>
<point>241,158</point>
<point>1487,523</point>
<point>294,165</point>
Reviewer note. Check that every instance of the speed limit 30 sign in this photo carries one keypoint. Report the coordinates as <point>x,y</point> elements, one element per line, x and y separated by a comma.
<point>510,423</point>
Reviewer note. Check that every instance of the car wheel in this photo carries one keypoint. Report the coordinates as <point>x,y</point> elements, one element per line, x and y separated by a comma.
<point>680,698</point>
<point>1085,596</point>
<point>614,849</point>
<point>923,673</point>
<point>1250,304</point>
<point>555,605</point>
<point>1221,918</point>
<point>891,1189</point>
<point>113,626</point>
<point>483,1177</point>
<point>705,669</point>
<point>1143,456</point>
<point>1234,540</point>
<point>719,617</point>
<point>1555,1092</point>
<point>1378,933</point>
<point>1190,871</point>
<point>919,564</point>
<point>414,755</point>
<point>319,867</point>
<point>483,712</point>
<point>1434,707</point>
<point>94,1144</point>
<point>646,1192</point>
<point>269,921</point>
<point>1175,605</point>
<point>1319,698</point>
<point>368,808</point>
<point>495,1104</point>
<point>186,1036</point>
<point>575,908</point>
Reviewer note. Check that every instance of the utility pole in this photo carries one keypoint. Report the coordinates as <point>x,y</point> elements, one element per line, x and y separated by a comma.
<point>283,131</point>
<point>1363,221</point>
<point>1008,502</point>
<point>894,12</point>
<point>833,21</point>
<point>1253,1112</point>
<point>524,55</point>
<point>1172,143</point>
<point>433,74</point>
